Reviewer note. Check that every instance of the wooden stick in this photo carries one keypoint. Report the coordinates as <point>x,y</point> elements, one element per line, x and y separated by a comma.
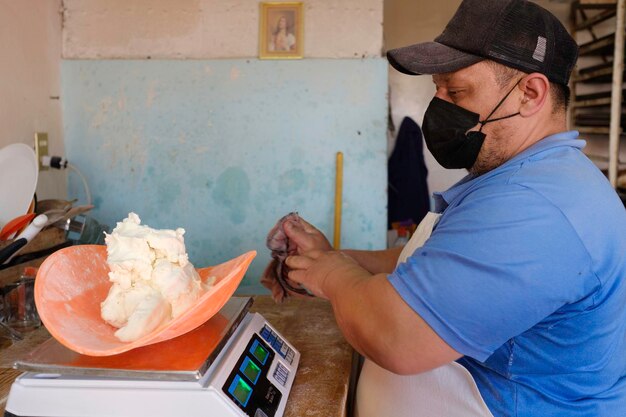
<point>616,93</point>
<point>338,197</point>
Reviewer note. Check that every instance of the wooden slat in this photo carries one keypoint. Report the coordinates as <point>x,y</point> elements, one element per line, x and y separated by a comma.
<point>594,20</point>
<point>592,103</point>
<point>603,158</point>
<point>593,130</point>
<point>602,46</point>
<point>592,74</point>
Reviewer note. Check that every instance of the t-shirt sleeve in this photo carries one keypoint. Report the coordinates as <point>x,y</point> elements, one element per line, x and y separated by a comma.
<point>498,263</point>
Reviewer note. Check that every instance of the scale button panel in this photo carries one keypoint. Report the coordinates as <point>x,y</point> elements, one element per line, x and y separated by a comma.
<point>265,333</point>
<point>281,374</point>
<point>289,356</point>
<point>271,336</point>
<point>277,344</point>
<point>284,350</point>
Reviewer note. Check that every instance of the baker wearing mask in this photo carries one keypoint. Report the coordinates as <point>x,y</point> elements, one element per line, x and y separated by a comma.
<point>510,300</point>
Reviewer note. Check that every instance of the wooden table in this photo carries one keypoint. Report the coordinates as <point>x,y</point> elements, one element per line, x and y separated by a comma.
<point>322,381</point>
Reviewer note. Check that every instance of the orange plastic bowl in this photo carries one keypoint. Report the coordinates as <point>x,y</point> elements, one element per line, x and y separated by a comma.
<point>72,282</point>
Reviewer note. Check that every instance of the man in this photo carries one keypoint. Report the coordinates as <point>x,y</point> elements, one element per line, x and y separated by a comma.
<point>522,280</point>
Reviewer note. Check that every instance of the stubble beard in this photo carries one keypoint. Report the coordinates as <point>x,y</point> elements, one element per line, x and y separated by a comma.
<point>492,154</point>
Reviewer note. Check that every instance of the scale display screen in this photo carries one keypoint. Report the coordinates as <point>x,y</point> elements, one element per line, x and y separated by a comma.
<point>250,370</point>
<point>240,390</point>
<point>259,352</point>
<point>249,385</point>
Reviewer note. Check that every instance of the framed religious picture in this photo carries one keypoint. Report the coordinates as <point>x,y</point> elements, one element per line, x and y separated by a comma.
<point>281,34</point>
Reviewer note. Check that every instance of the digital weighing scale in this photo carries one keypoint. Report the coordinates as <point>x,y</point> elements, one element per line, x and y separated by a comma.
<point>235,365</point>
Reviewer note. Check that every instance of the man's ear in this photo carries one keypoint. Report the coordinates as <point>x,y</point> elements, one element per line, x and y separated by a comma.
<point>535,88</point>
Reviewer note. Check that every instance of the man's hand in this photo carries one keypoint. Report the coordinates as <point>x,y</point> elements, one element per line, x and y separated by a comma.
<point>372,316</point>
<point>290,236</point>
<point>306,236</point>
<point>313,270</point>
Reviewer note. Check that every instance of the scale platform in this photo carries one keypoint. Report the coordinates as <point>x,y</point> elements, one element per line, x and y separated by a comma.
<point>235,364</point>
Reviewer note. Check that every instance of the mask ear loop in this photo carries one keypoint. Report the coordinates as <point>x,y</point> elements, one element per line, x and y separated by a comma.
<point>487,120</point>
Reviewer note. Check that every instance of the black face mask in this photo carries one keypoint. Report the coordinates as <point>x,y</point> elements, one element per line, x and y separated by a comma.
<point>446,133</point>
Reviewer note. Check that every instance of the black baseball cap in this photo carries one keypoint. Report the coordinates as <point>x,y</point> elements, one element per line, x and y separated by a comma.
<point>516,33</point>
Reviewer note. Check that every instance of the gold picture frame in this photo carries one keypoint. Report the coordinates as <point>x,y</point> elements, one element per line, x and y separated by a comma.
<point>281,32</point>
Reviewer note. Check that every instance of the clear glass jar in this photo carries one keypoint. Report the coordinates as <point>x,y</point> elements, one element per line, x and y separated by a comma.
<point>19,303</point>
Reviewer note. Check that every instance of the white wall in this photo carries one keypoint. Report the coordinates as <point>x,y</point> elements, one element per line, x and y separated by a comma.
<point>192,29</point>
<point>30,41</point>
<point>412,21</point>
<point>35,33</point>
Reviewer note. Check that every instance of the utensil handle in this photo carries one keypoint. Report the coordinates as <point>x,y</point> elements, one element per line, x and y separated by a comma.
<point>34,227</point>
<point>7,253</point>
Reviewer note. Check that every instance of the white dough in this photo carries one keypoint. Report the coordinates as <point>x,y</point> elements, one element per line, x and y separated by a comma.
<point>153,280</point>
<point>176,286</point>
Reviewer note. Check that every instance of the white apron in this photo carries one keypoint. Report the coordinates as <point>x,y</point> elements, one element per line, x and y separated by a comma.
<point>447,391</point>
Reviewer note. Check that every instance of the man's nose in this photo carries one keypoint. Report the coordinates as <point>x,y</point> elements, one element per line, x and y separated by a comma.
<point>443,95</point>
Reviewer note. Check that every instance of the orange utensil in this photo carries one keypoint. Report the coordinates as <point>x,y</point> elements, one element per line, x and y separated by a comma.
<point>16,225</point>
<point>72,282</point>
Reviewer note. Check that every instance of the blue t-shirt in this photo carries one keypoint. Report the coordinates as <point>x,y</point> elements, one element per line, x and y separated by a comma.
<point>525,275</point>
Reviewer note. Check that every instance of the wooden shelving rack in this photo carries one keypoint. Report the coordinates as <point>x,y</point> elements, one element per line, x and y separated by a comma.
<point>598,110</point>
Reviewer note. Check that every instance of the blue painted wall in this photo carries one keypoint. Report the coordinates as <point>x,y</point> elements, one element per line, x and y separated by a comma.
<point>223,148</point>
